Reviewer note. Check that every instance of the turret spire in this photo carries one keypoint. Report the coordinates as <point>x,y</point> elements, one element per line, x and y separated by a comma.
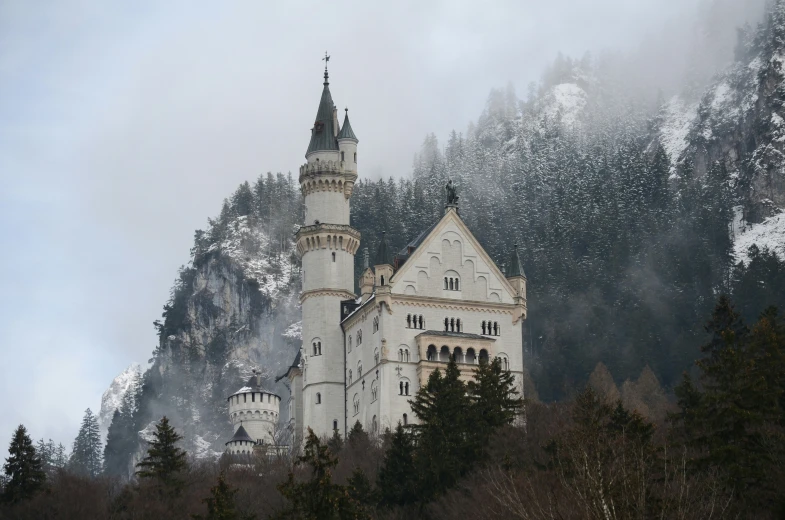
<point>326,75</point>
<point>324,128</point>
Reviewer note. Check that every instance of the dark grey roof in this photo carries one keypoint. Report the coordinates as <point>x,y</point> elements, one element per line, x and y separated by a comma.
<point>241,435</point>
<point>295,364</point>
<point>514,267</point>
<point>464,335</point>
<point>383,253</point>
<point>253,385</point>
<point>346,129</point>
<point>323,131</point>
<point>404,253</point>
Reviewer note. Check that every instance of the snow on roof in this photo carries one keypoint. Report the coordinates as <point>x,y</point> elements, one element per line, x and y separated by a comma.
<point>768,234</point>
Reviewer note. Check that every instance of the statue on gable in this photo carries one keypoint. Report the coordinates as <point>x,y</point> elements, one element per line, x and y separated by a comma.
<point>452,196</point>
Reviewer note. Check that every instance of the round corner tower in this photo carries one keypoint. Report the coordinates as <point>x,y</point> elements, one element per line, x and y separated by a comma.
<point>254,412</point>
<point>327,245</point>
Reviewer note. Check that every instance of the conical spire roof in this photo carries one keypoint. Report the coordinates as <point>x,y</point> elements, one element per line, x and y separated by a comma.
<point>241,435</point>
<point>323,131</point>
<point>384,253</point>
<point>514,267</point>
<point>346,129</point>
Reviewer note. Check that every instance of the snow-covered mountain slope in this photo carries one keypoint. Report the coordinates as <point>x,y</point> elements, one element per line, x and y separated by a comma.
<point>112,398</point>
<point>564,103</point>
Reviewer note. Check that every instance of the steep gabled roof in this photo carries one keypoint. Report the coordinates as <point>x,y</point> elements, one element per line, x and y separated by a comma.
<point>323,131</point>
<point>241,435</point>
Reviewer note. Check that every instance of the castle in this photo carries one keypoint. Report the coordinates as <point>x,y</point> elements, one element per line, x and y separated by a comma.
<point>364,357</point>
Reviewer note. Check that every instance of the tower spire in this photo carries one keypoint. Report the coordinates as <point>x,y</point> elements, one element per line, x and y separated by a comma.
<point>326,75</point>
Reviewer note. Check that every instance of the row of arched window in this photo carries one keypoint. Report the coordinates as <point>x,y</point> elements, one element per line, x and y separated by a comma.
<point>415,321</point>
<point>403,388</point>
<point>490,328</point>
<point>342,156</point>
<point>452,284</point>
<point>235,399</point>
<point>443,354</point>
<point>403,355</point>
<point>359,337</point>
<point>452,325</point>
<point>317,348</point>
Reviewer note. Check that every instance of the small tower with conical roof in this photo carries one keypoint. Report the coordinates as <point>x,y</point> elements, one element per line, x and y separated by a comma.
<point>327,245</point>
<point>517,279</point>
<point>254,412</point>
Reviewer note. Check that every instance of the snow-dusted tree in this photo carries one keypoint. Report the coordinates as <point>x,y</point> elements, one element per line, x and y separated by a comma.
<point>86,457</point>
<point>24,475</point>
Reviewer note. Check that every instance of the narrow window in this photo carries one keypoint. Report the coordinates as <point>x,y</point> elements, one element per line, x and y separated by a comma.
<point>445,283</point>
<point>355,156</point>
<point>382,279</point>
<point>253,397</point>
<point>458,324</point>
<point>406,388</point>
<point>405,419</point>
<point>408,321</point>
<point>446,324</point>
<point>333,257</point>
<point>457,287</point>
<point>451,286</point>
<point>245,398</point>
<point>495,328</point>
<point>401,388</point>
<point>421,322</point>
<point>318,398</point>
<point>342,157</point>
<point>452,324</point>
<point>268,398</point>
<point>483,327</point>
<point>335,422</point>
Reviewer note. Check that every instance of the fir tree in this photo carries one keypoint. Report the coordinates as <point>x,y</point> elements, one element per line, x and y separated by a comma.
<point>317,498</point>
<point>335,443</point>
<point>495,399</point>
<point>220,503</point>
<point>397,476</point>
<point>24,474</point>
<point>446,447</point>
<point>86,455</point>
<point>164,462</point>
<point>121,439</point>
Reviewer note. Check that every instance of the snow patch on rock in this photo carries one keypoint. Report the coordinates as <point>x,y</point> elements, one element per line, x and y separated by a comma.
<point>566,101</point>
<point>294,331</point>
<point>678,119</point>
<point>768,234</point>
<point>113,396</point>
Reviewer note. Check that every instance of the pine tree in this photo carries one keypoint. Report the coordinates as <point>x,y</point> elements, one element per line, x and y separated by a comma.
<point>24,474</point>
<point>335,443</point>
<point>220,503</point>
<point>397,477</point>
<point>121,439</point>
<point>318,498</point>
<point>495,399</point>
<point>164,462</point>
<point>86,455</point>
<point>446,447</point>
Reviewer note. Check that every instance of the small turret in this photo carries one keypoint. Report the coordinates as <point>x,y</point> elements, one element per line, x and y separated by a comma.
<point>255,411</point>
<point>515,274</point>
<point>367,278</point>
<point>347,145</point>
<point>384,263</point>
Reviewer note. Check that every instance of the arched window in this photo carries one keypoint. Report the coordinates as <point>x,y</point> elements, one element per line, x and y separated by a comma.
<point>359,338</point>
<point>458,325</point>
<point>382,279</point>
<point>409,321</point>
<point>400,388</point>
<point>483,356</point>
<point>483,327</point>
<point>406,388</point>
<point>422,323</point>
<point>431,354</point>
<point>444,354</point>
<point>400,354</point>
<point>333,257</point>
<point>405,419</point>
<point>350,376</point>
<point>374,425</point>
<point>318,398</point>
<point>495,328</point>
<point>405,355</point>
<point>452,324</point>
<point>335,424</point>
<point>451,286</point>
<point>356,403</point>
<point>359,369</point>
<point>342,158</point>
<point>457,286</point>
<point>446,324</point>
<point>349,339</point>
<point>374,391</point>
<point>471,357</point>
<point>458,354</point>
<point>355,156</point>
<point>319,347</point>
<point>446,284</point>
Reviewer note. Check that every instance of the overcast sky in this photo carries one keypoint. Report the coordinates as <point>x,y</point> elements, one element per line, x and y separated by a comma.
<point>123,125</point>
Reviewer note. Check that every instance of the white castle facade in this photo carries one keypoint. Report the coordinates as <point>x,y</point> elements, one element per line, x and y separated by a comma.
<point>365,356</point>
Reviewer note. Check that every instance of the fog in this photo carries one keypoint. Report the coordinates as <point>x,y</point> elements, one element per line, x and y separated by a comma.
<point>122,128</point>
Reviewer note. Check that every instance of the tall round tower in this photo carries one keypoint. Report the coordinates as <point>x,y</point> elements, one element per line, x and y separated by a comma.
<point>327,245</point>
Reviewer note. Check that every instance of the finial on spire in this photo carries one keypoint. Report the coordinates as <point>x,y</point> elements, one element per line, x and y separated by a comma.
<point>326,59</point>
